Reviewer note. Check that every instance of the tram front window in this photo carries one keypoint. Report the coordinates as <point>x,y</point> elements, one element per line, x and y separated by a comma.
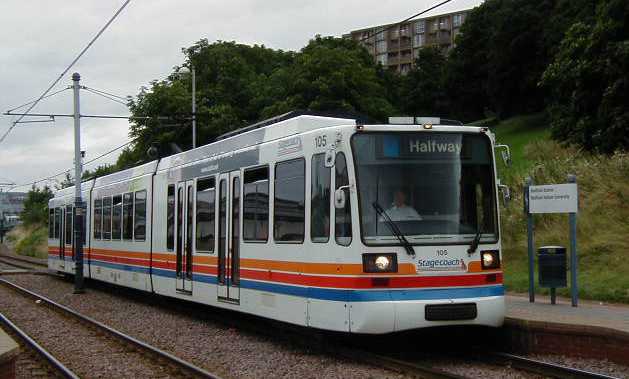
<point>436,187</point>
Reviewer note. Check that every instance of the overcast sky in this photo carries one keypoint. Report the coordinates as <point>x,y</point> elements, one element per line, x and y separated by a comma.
<point>39,38</point>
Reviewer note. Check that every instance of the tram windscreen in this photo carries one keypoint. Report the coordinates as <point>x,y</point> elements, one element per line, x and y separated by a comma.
<point>436,187</point>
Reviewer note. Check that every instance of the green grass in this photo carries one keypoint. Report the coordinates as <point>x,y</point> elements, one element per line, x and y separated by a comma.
<point>30,240</point>
<point>603,226</point>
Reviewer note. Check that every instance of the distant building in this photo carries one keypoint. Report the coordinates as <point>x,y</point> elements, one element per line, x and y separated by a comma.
<point>11,203</point>
<point>396,46</point>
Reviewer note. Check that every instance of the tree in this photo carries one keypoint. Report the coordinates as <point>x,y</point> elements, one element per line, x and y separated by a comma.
<point>589,81</point>
<point>68,181</point>
<point>36,206</point>
<point>424,92</point>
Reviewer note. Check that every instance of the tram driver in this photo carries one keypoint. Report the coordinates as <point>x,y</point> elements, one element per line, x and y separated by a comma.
<point>400,211</point>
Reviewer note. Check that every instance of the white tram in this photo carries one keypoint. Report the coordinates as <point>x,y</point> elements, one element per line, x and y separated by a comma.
<point>317,221</point>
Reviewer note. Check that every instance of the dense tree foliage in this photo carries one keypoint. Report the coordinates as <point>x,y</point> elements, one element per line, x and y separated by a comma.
<point>36,206</point>
<point>589,81</point>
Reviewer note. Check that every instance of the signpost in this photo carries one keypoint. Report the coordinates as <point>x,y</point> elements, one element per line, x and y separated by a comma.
<point>552,198</point>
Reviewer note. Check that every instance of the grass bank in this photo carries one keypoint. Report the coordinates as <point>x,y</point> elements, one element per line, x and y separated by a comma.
<point>603,220</point>
<point>30,240</point>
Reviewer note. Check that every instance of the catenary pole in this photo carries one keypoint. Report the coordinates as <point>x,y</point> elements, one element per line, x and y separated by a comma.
<point>79,208</point>
<point>194,108</point>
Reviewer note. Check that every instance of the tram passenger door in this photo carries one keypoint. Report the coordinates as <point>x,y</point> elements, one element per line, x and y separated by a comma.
<point>185,217</point>
<point>228,283</point>
<point>62,237</point>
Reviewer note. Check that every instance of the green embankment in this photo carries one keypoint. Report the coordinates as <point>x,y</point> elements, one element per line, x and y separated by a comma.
<point>29,240</point>
<point>603,220</point>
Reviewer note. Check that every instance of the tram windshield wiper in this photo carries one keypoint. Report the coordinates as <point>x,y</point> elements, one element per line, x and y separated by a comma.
<point>394,228</point>
<point>475,242</point>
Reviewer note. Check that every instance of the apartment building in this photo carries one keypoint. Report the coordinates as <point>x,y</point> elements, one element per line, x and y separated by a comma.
<point>396,46</point>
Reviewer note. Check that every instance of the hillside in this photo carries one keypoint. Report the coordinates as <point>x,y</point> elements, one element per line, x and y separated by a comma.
<point>603,230</point>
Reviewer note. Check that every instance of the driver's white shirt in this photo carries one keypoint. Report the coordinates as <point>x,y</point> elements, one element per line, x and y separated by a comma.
<point>403,213</point>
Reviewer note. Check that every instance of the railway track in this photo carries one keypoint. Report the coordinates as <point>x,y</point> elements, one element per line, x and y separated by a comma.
<point>420,369</point>
<point>151,361</point>
<point>21,263</point>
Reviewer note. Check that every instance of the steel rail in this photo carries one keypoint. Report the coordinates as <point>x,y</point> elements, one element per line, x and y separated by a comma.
<point>63,370</point>
<point>399,365</point>
<point>6,259</point>
<point>545,368</point>
<point>142,345</point>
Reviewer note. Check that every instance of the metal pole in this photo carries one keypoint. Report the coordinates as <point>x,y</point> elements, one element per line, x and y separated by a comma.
<point>78,202</point>
<point>529,231</point>
<point>194,108</point>
<point>574,289</point>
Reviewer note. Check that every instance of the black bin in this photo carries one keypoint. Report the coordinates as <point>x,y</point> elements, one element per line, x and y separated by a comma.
<point>552,265</point>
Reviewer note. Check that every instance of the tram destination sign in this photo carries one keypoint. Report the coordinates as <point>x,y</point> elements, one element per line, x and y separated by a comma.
<point>554,198</point>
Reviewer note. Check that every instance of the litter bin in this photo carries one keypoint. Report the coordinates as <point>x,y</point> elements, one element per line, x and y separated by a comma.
<point>552,265</point>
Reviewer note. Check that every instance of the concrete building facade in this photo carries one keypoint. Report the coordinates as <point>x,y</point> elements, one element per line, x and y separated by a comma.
<point>397,46</point>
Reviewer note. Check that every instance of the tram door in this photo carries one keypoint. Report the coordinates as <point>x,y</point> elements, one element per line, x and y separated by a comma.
<point>185,217</point>
<point>229,237</point>
<point>61,213</point>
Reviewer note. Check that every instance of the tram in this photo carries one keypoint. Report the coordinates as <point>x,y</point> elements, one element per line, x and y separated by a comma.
<point>324,222</point>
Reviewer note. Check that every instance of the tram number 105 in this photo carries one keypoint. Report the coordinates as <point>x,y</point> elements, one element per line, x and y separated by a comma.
<point>321,141</point>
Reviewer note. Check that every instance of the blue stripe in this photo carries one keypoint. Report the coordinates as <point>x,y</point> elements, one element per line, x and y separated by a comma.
<point>345,295</point>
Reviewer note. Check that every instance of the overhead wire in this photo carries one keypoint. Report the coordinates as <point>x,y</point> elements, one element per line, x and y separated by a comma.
<point>31,102</point>
<point>106,93</point>
<point>54,83</point>
<point>51,177</point>
<point>105,96</point>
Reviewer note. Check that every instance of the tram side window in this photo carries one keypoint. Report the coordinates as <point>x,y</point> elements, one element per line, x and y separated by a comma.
<point>320,200</point>
<point>289,209</point>
<point>51,223</point>
<point>116,218</point>
<point>139,229</point>
<point>256,204</point>
<point>107,218</point>
<point>170,218</point>
<point>57,223</point>
<point>206,194</point>
<point>98,218</point>
<point>127,216</point>
<point>68,219</point>
<point>343,216</point>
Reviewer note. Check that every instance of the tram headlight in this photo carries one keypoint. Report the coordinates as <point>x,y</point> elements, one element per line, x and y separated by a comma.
<point>374,263</point>
<point>490,259</point>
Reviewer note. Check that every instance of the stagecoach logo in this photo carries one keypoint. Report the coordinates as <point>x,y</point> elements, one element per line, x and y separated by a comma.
<point>289,146</point>
<point>432,146</point>
<point>441,265</point>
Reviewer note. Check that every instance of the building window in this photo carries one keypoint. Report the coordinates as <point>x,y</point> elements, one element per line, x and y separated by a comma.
<point>419,40</point>
<point>289,210</point>
<point>405,68</point>
<point>51,223</point>
<point>98,218</point>
<point>444,23</point>
<point>116,218</point>
<point>380,34</point>
<point>381,46</point>
<point>403,30</point>
<point>343,216</point>
<point>170,218</point>
<point>139,219</point>
<point>457,20</point>
<point>127,216</point>
<point>320,200</point>
<point>256,204</point>
<point>206,194</point>
<point>382,59</point>
<point>420,26</point>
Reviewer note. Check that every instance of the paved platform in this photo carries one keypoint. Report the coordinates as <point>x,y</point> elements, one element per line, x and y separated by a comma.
<point>588,313</point>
